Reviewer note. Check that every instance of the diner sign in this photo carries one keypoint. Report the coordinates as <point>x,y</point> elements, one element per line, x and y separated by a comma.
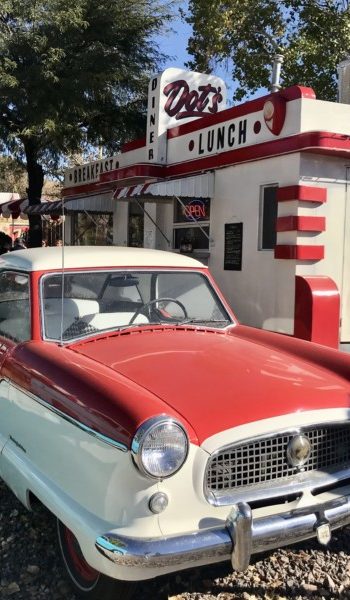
<point>90,173</point>
<point>176,97</point>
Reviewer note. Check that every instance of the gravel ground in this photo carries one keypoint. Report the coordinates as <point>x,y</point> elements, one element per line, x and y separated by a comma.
<point>31,568</point>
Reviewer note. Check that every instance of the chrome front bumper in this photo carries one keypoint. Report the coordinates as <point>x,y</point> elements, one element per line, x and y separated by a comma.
<point>240,537</point>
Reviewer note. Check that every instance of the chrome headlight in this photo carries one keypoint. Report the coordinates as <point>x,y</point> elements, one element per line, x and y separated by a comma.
<point>160,447</point>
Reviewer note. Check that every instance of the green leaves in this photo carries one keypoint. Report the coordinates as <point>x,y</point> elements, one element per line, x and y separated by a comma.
<point>66,67</point>
<point>313,36</point>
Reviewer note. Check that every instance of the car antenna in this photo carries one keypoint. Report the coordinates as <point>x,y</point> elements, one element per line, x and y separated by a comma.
<point>62,273</point>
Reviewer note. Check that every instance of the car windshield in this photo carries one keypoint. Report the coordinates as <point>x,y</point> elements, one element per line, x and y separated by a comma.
<point>92,302</point>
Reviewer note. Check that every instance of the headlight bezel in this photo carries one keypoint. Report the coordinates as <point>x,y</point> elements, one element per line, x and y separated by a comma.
<point>139,439</point>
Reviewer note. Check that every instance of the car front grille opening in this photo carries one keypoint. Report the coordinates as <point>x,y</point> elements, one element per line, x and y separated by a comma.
<point>279,500</point>
<point>264,460</point>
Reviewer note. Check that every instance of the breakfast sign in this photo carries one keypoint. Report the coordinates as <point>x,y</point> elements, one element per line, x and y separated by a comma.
<point>176,97</point>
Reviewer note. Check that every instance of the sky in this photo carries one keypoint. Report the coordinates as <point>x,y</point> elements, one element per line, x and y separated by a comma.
<point>175,44</point>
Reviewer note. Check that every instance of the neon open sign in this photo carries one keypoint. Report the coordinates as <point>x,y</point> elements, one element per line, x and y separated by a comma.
<point>192,210</point>
<point>195,210</point>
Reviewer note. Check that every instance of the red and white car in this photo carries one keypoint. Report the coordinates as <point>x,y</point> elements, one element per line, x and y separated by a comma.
<point>160,432</point>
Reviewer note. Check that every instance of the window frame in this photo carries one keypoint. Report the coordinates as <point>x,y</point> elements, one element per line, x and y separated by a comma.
<point>191,224</point>
<point>151,270</point>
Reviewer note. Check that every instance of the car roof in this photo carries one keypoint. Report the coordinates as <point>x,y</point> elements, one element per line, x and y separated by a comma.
<point>52,258</point>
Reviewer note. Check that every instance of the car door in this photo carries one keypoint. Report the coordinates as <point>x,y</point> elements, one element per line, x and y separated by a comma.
<point>14,329</point>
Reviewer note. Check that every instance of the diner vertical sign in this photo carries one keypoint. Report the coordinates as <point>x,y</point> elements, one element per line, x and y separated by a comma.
<point>233,246</point>
<point>176,97</point>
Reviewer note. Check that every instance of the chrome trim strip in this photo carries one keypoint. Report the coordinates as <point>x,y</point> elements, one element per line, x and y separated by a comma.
<point>72,421</point>
<point>215,544</point>
<point>299,483</point>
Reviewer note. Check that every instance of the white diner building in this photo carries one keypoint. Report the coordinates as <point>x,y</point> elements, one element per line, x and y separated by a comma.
<point>259,191</point>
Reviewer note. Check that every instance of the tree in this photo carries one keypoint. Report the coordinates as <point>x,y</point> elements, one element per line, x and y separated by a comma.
<point>312,35</point>
<point>12,176</point>
<point>73,74</point>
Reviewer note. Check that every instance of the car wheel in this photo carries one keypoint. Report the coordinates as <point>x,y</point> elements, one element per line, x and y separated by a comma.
<point>86,581</point>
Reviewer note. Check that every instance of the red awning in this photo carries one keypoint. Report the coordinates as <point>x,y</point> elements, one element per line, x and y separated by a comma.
<point>13,208</point>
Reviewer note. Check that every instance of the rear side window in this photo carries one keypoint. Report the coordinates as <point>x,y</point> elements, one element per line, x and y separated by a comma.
<point>14,306</point>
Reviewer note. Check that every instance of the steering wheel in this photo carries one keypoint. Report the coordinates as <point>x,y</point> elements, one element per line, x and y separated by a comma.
<point>156,301</point>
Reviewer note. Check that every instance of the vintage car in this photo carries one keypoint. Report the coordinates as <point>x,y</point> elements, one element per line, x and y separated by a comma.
<point>161,433</point>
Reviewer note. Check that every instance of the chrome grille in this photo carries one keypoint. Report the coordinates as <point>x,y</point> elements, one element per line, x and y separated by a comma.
<point>263,460</point>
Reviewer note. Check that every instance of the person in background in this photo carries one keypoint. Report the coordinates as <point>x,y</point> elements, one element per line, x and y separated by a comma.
<point>59,243</point>
<point>5,243</point>
<point>44,243</point>
<point>19,244</point>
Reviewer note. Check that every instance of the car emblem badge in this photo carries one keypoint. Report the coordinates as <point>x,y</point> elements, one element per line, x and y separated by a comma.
<point>298,450</point>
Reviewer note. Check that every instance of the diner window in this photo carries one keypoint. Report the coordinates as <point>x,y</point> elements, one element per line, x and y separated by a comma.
<point>92,229</point>
<point>268,217</point>
<point>14,306</point>
<point>191,238</point>
<point>188,235</point>
<point>135,225</point>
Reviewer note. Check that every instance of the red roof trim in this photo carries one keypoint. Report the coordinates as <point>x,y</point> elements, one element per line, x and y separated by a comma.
<point>292,93</point>
<point>82,190</point>
<point>293,223</point>
<point>289,251</point>
<point>314,141</point>
<point>133,145</point>
<point>140,170</point>
<point>297,91</point>
<point>302,193</point>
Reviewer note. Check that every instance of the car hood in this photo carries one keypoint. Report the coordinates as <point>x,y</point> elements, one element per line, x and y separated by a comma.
<point>216,380</point>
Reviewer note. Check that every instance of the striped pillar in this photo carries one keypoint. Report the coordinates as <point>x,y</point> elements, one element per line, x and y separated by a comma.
<point>295,222</point>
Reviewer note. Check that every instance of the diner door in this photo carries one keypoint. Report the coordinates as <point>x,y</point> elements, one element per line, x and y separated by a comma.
<point>345,286</point>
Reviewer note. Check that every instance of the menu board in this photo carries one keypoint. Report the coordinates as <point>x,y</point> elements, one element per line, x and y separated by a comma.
<point>233,246</point>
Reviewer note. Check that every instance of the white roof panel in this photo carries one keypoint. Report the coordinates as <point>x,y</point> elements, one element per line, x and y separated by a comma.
<point>42,259</point>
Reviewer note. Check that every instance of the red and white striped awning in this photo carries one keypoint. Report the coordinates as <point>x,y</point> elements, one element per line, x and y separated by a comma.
<point>45,208</point>
<point>199,186</point>
<point>20,207</point>
<point>14,208</point>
